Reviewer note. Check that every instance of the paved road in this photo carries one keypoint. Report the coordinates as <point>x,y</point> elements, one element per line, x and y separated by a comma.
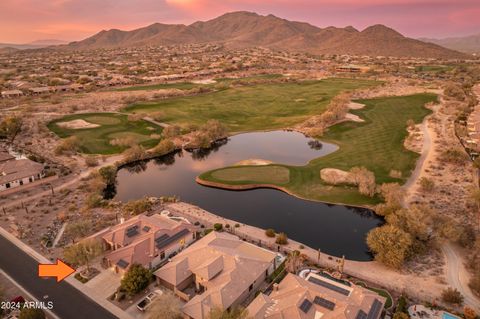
<point>69,303</point>
<point>456,276</point>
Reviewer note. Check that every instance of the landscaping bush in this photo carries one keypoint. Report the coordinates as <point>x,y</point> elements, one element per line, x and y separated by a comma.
<point>452,296</point>
<point>136,279</point>
<point>270,232</point>
<point>218,227</point>
<point>282,239</point>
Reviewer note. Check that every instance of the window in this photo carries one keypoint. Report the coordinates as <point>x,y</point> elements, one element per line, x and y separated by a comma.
<point>29,179</point>
<point>7,185</point>
<point>21,182</point>
<point>250,288</point>
<point>162,255</point>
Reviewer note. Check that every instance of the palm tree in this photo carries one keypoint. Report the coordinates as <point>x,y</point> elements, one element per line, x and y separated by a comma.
<point>294,261</point>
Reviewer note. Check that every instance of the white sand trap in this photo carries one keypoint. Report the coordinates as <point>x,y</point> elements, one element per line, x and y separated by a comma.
<point>355,106</point>
<point>77,124</point>
<point>207,81</point>
<point>335,176</point>
<point>253,161</point>
<point>353,117</point>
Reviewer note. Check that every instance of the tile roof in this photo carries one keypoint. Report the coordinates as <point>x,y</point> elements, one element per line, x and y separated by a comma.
<point>222,263</point>
<point>297,298</point>
<point>12,170</point>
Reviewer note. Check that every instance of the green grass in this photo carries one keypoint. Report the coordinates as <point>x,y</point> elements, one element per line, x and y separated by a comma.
<point>270,174</point>
<point>434,68</point>
<point>252,108</point>
<point>178,85</point>
<point>191,85</point>
<point>97,140</point>
<point>376,144</point>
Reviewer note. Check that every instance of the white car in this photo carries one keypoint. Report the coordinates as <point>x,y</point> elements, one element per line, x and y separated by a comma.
<point>147,301</point>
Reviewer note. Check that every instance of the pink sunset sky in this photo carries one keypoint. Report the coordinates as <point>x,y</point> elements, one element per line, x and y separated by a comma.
<point>23,21</point>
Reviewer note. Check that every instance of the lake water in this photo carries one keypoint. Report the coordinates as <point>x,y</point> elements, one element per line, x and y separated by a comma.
<point>335,229</point>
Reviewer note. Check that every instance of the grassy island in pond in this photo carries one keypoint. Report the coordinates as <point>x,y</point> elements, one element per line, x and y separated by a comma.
<point>96,131</point>
<point>376,144</point>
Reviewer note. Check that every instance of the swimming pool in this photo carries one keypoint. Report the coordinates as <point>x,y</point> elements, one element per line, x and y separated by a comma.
<point>447,315</point>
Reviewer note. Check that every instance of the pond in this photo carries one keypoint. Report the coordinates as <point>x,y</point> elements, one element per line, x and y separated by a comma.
<point>335,229</point>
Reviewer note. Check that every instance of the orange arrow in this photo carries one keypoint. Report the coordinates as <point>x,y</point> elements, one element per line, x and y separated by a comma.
<point>59,270</point>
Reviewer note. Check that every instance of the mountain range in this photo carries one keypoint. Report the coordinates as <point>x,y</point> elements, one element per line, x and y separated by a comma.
<point>31,45</point>
<point>247,29</point>
<point>468,44</point>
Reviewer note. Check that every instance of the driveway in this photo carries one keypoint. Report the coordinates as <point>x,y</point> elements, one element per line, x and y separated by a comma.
<point>105,283</point>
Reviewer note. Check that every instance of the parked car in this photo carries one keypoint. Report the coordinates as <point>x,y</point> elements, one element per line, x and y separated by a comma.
<point>147,301</point>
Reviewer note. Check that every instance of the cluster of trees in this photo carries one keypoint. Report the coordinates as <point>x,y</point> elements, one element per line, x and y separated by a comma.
<point>407,231</point>
<point>137,207</point>
<point>365,180</point>
<point>97,182</point>
<point>336,111</point>
<point>208,133</point>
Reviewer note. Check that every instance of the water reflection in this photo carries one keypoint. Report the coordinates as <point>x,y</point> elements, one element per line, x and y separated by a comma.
<point>336,230</point>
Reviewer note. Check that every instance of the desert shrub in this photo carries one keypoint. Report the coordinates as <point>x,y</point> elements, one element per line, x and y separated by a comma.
<point>139,206</point>
<point>452,296</point>
<point>270,232</point>
<point>91,161</point>
<point>426,184</point>
<point>390,245</point>
<point>218,226</point>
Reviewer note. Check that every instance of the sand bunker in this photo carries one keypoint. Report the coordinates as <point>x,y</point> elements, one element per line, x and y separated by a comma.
<point>207,81</point>
<point>355,106</point>
<point>77,124</point>
<point>335,176</point>
<point>353,117</point>
<point>253,161</point>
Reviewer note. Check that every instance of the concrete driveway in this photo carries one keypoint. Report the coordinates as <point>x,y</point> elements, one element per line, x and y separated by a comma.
<point>105,283</point>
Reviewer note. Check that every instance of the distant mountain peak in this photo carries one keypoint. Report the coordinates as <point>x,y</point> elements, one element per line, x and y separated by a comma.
<point>244,29</point>
<point>381,30</point>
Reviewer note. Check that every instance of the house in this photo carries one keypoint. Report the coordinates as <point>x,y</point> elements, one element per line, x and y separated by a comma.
<point>145,240</point>
<point>11,93</point>
<point>39,90</point>
<point>219,270</point>
<point>352,69</point>
<point>317,296</point>
<point>15,173</point>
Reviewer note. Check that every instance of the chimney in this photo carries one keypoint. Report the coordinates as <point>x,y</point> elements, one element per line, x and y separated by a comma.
<point>275,287</point>
<point>122,220</point>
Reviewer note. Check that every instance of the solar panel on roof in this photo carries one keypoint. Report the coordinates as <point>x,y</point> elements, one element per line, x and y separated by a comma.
<point>132,231</point>
<point>361,314</point>
<point>122,264</point>
<point>375,310</point>
<point>327,304</point>
<point>328,285</point>
<point>305,306</point>
<point>161,243</point>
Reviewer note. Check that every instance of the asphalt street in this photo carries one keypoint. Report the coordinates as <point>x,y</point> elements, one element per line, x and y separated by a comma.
<point>68,302</point>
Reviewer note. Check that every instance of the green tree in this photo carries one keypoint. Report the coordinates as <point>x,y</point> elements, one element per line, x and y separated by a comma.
<point>136,279</point>
<point>109,174</point>
<point>166,306</point>
<point>390,244</point>
<point>32,313</point>
<point>234,313</point>
<point>83,253</point>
